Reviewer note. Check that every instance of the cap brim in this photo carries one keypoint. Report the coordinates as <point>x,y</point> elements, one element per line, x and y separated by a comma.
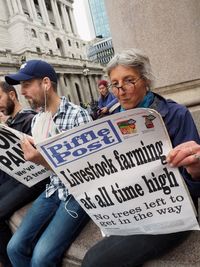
<point>15,79</point>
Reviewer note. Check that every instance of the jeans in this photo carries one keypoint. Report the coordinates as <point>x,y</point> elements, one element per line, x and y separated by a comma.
<point>13,195</point>
<point>130,251</point>
<point>47,230</point>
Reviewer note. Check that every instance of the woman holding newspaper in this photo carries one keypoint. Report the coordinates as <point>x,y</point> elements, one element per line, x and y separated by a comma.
<point>187,154</point>
<point>131,81</point>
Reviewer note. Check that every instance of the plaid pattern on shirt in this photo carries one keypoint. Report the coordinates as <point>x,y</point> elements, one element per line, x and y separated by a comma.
<point>67,117</point>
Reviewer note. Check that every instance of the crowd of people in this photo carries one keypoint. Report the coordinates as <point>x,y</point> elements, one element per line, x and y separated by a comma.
<point>55,218</point>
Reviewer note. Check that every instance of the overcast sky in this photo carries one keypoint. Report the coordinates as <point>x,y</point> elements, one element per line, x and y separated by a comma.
<point>83,22</point>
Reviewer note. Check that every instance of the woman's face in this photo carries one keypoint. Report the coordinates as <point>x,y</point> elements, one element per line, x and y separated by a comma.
<point>131,86</point>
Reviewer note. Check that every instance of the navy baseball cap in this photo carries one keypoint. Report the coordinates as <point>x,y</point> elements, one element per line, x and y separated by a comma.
<point>32,69</point>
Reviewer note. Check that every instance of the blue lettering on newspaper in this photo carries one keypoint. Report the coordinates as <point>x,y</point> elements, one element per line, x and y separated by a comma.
<point>81,143</point>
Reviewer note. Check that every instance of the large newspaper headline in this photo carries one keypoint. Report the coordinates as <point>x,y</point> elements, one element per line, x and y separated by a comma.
<point>116,168</point>
<point>12,159</point>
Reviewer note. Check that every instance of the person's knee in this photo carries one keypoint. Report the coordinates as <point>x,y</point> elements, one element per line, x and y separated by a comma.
<point>40,261</point>
<point>86,261</point>
<point>91,259</point>
<point>12,247</point>
<point>43,260</point>
<point>42,257</point>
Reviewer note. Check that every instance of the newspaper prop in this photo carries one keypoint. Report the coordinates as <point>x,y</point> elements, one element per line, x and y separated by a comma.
<point>12,160</point>
<point>116,168</point>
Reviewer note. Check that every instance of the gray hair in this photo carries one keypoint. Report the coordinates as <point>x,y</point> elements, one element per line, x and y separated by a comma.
<point>133,58</point>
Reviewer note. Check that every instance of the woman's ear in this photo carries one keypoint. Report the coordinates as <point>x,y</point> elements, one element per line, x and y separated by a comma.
<point>147,83</point>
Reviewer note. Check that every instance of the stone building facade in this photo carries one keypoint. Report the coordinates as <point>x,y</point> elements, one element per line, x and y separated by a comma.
<point>46,29</point>
<point>168,32</point>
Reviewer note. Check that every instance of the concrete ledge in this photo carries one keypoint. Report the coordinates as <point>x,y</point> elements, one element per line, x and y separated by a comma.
<point>185,255</point>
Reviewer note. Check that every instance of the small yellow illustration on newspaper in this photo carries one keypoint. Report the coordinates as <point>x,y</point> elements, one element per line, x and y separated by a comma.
<point>127,126</point>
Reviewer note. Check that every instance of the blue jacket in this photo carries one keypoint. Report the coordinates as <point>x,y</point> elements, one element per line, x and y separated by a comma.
<point>108,102</point>
<point>181,128</point>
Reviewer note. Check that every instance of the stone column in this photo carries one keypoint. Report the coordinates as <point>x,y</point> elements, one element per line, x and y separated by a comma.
<point>29,7</point>
<point>71,89</point>
<point>94,87</point>
<point>65,18</point>
<point>44,12</point>
<point>19,4</point>
<point>63,89</point>
<point>32,8</point>
<point>68,18</point>
<point>73,23</point>
<point>10,9</point>
<point>59,84</point>
<point>56,14</point>
<point>83,88</point>
<point>15,7</point>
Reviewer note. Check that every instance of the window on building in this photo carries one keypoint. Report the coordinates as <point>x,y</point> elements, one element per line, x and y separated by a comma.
<point>72,55</point>
<point>48,5</point>
<point>50,52</point>
<point>39,16</point>
<point>77,44</point>
<point>27,14</point>
<point>69,42</point>
<point>60,46</point>
<point>65,81</point>
<point>46,36</point>
<point>33,33</point>
<point>38,49</point>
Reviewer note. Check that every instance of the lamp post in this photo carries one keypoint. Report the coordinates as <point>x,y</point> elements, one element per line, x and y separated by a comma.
<point>85,73</point>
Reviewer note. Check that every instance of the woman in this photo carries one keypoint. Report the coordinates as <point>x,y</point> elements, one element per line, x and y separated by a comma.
<point>131,82</point>
<point>107,101</point>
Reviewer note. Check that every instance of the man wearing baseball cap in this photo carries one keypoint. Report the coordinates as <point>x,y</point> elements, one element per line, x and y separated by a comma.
<point>55,218</point>
<point>32,73</point>
<point>32,69</point>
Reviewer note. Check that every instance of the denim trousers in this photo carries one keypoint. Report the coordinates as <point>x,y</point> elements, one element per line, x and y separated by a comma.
<point>130,251</point>
<point>13,195</point>
<point>47,230</point>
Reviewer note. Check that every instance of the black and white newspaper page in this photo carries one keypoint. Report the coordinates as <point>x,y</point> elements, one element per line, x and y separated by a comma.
<point>12,158</point>
<point>116,168</point>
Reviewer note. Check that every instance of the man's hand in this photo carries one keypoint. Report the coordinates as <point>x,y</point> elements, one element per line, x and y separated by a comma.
<point>187,155</point>
<point>3,118</point>
<point>104,110</point>
<point>31,153</point>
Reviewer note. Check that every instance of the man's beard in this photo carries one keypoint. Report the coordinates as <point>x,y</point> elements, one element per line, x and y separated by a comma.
<point>35,105</point>
<point>10,107</point>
